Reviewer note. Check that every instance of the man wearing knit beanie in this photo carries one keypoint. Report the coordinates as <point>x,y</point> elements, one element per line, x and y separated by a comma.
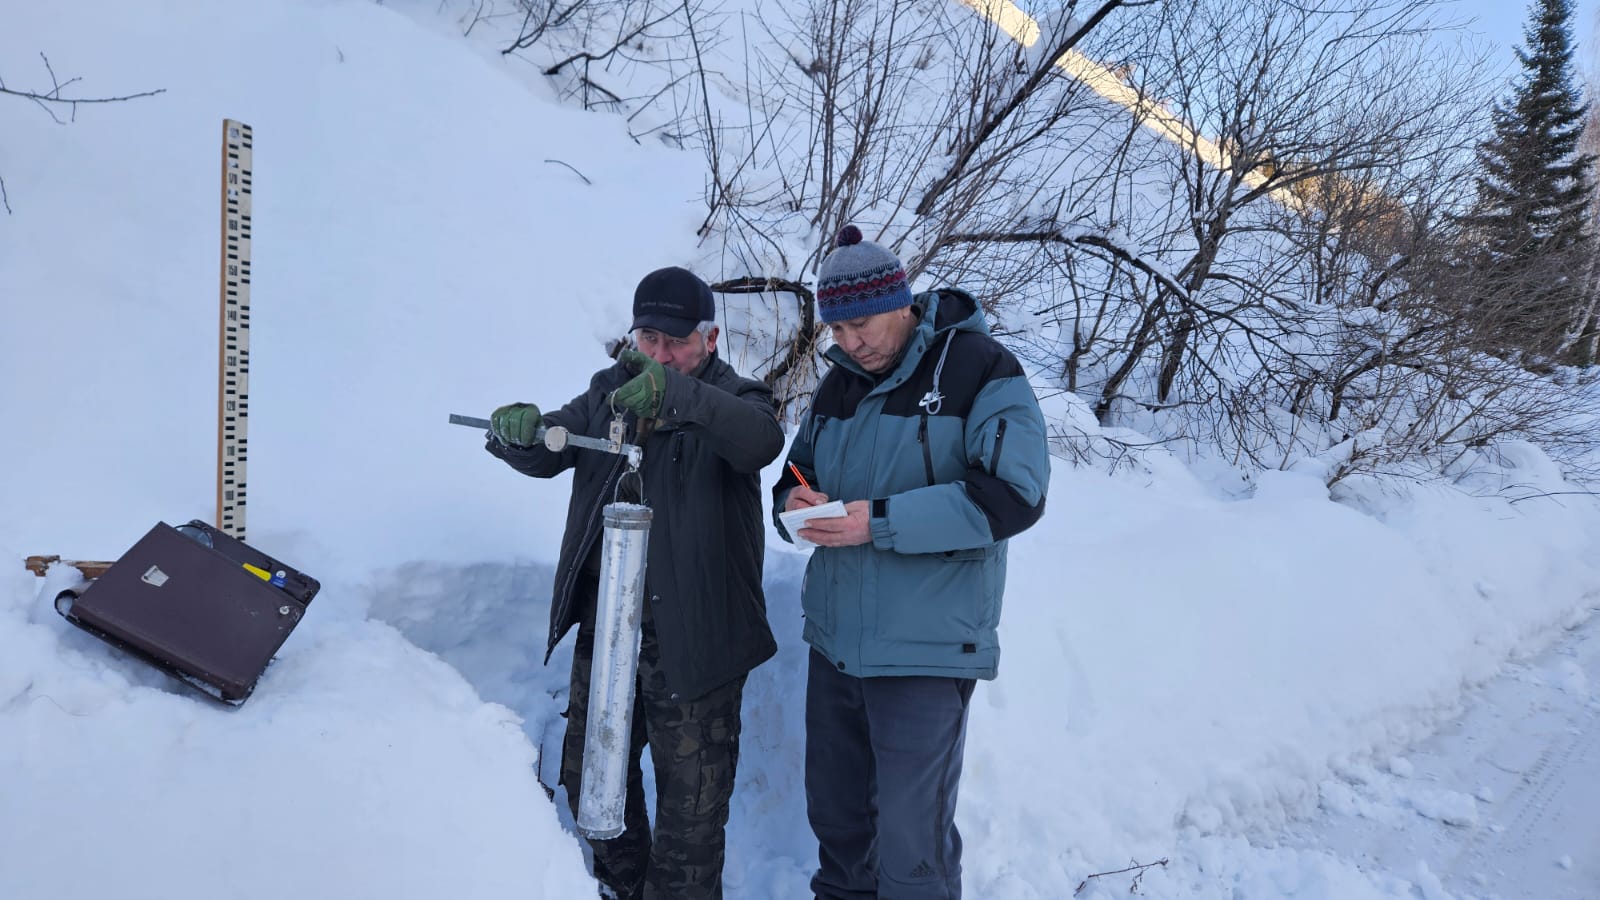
<point>859,279</point>
<point>857,284</point>
<point>927,431</point>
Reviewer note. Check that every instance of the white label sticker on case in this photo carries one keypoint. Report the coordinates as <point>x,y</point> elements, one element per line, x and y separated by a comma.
<point>154,576</point>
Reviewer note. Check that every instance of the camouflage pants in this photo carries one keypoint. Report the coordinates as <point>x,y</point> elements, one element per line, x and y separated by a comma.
<point>695,748</point>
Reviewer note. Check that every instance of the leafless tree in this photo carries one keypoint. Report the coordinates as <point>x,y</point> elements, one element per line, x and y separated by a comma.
<point>538,19</point>
<point>1288,286</point>
<point>919,120</point>
<point>639,58</point>
<point>1298,93</point>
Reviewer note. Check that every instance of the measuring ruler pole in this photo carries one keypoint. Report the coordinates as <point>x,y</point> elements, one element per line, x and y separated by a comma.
<point>234,384</point>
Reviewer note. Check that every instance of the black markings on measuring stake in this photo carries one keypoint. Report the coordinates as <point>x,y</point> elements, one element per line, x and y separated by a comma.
<point>234,377</point>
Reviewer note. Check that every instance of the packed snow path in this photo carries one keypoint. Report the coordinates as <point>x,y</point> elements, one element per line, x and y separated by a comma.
<point>1502,803</point>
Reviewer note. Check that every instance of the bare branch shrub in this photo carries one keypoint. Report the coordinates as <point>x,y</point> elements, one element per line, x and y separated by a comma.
<point>1290,286</point>
<point>866,99</point>
<point>55,101</point>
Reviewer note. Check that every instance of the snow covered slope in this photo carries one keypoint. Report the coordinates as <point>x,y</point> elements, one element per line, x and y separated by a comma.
<point>1181,671</point>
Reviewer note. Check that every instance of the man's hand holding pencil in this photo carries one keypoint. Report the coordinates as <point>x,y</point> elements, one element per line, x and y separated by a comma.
<point>839,531</point>
<point>803,495</point>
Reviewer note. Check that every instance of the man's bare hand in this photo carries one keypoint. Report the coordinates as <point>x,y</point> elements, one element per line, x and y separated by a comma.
<point>800,497</point>
<point>847,530</point>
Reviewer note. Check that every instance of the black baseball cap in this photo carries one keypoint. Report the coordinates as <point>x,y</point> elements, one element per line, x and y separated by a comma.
<point>672,301</point>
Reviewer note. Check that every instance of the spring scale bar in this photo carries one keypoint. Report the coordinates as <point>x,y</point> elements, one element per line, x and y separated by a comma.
<point>556,439</point>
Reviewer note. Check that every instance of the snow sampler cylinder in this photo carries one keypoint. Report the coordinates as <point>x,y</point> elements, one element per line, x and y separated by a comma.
<point>603,794</point>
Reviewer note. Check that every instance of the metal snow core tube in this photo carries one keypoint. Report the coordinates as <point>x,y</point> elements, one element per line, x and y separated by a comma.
<point>604,792</point>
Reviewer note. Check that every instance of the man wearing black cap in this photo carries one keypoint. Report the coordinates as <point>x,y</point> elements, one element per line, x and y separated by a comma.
<point>709,432</point>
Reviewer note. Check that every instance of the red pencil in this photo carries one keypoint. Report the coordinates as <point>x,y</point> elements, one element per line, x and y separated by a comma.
<point>796,470</point>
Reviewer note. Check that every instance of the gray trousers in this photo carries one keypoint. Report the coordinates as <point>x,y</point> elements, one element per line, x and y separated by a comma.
<point>883,764</point>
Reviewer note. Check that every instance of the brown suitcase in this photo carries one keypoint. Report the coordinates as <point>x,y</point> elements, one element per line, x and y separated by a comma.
<point>187,601</point>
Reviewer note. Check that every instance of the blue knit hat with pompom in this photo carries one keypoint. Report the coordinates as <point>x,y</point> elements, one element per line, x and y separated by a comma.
<point>859,278</point>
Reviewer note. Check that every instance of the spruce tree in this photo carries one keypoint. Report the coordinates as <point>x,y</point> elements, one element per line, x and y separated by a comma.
<point>1532,224</point>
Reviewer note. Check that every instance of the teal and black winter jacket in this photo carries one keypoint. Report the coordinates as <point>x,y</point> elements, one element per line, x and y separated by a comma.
<point>949,448</point>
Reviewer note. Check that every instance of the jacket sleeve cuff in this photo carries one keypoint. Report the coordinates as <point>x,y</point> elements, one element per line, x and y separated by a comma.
<point>882,532</point>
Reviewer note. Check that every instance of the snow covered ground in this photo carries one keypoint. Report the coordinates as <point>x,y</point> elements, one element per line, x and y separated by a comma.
<point>1243,687</point>
<point>1500,802</point>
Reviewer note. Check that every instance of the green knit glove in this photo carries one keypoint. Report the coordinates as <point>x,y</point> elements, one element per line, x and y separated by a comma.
<point>642,393</point>
<point>516,424</point>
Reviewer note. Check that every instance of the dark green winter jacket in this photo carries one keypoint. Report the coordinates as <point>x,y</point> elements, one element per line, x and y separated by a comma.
<point>950,449</point>
<point>701,477</point>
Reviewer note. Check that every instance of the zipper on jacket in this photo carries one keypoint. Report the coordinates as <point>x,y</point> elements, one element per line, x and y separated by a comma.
<point>927,451</point>
<point>999,441</point>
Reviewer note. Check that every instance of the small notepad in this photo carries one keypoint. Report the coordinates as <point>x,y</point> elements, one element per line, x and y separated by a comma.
<point>795,519</point>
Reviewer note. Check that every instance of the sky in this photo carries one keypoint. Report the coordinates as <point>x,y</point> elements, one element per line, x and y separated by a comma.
<point>1254,689</point>
<point>1500,24</point>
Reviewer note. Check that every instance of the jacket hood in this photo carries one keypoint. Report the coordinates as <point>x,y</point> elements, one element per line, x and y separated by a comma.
<point>953,310</point>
